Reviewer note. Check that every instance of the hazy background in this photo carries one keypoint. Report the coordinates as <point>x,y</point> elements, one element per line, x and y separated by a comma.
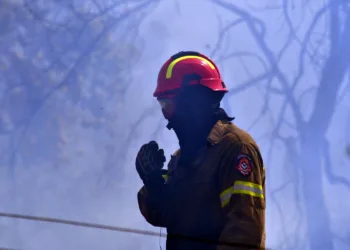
<point>76,84</point>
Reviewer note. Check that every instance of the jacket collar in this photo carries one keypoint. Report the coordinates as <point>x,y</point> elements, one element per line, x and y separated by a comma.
<point>217,132</point>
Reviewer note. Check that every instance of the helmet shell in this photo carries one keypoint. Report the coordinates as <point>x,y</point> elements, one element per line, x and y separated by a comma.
<point>188,68</point>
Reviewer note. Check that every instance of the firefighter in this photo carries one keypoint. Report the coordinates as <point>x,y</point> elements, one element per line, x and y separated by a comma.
<point>212,194</point>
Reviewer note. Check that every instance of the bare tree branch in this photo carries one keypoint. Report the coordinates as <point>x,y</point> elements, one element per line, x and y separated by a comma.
<point>332,178</point>
<point>80,61</point>
<point>222,33</point>
<point>305,43</point>
<point>252,23</point>
<point>335,68</point>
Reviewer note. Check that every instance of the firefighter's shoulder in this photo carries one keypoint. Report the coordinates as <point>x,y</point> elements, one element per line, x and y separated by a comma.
<point>241,146</point>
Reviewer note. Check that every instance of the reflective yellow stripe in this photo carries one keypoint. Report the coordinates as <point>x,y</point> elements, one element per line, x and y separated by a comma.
<point>165,177</point>
<point>169,71</point>
<point>241,187</point>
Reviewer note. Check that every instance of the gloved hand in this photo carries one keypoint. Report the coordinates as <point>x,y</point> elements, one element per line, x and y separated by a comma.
<point>149,163</point>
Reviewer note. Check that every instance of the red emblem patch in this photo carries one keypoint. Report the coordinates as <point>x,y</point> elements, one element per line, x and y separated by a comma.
<point>244,165</point>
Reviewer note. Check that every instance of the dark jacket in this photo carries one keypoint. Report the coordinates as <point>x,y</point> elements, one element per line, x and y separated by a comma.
<point>216,203</point>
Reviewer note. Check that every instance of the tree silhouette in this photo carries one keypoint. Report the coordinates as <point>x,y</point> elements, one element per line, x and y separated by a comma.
<point>68,61</point>
<point>64,69</point>
<point>317,45</point>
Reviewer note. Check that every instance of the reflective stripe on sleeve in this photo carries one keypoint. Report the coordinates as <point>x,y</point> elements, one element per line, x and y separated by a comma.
<point>165,177</point>
<point>241,187</point>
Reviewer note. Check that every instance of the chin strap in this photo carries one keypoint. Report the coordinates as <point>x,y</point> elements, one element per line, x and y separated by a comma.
<point>169,126</point>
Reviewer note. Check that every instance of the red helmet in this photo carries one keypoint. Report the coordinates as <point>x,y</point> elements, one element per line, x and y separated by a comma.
<point>188,68</point>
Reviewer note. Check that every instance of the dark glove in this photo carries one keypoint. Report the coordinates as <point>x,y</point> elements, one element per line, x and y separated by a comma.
<point>149,163</point>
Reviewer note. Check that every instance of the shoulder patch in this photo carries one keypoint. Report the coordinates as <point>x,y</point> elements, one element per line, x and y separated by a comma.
<point>244,164</point>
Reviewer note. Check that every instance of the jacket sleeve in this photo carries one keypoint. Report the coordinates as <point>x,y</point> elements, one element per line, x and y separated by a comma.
<point>242,187</point>
<point>151,205</point>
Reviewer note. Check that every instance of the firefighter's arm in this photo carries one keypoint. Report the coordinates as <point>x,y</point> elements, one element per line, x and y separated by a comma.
<point>242,184</point>
<point>151,204</point>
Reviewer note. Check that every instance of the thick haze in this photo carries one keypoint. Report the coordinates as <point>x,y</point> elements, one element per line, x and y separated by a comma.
<point>76,85</point>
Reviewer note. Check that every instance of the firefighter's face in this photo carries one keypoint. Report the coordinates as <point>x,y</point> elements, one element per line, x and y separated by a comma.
<point>168,106</point>
<point>181,106</point>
